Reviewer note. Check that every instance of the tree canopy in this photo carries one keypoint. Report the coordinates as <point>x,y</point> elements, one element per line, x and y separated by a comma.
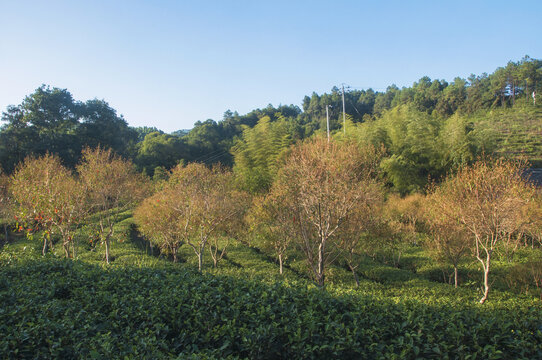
<point>428,129</point>
<point>51,121</point>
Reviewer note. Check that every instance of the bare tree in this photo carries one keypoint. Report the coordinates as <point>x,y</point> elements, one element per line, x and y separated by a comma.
<point>113,185</point>
<point>449,241</point>
<point>71,209</point>
<point>48,199</point>
<point>324,185</point>
<point>156,220</point>
<point>206,204</point>
<point>5,204</point>
<point>273,223</point>
<point>487,199</point>
<point>353,236</point>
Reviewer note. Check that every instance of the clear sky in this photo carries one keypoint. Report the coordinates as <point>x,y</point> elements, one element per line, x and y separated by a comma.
<point>171,63</point>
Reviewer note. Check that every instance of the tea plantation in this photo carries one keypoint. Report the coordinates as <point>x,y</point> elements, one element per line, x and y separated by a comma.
<point>145,307</point>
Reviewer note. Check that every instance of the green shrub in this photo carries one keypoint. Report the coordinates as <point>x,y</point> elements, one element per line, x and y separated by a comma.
<point>55,308</point>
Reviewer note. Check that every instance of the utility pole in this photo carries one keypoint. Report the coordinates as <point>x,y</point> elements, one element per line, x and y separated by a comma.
<point>344,113</point>
<point>327,117</point>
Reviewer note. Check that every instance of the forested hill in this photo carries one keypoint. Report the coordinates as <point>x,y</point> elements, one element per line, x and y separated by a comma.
<point>427,129</point>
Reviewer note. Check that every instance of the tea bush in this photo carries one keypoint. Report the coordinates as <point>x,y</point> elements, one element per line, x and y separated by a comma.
<point>142,306</point>
<point>56,308</point>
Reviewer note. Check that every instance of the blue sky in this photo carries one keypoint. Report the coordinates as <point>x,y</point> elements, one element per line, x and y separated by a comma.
<point>171,63</point>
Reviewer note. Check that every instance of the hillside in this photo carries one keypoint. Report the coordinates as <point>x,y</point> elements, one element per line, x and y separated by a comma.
<point>144,306</point>
<point>517,132</point>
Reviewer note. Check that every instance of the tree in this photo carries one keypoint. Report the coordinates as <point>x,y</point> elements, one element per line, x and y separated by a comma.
<point>207,143</point>
<point>415,156</point>
<point>71,209</point>
<point>49,199</point>
<point>362,221</point>
<point>159,149</point>
<point>5,203</point>
<point>461,143</point>
<point>531,73</point>
<point>156,220</point>
<point>480,94</point>
<point>143,131</point>
<point>99,125</point>
<point>206,204</point>
<point>51,121</point>
<point>383,101</point>
<point>488,200</point>
<point>323,183</point>
<point>45,122</point>
<point>272,222</point>
<point>449,242</point>
<point>113,185</point>
<point>453,97</point>
<point>258,153</point>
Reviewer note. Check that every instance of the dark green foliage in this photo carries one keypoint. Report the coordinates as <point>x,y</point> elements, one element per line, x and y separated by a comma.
<point>49,120</point>
<point>258,153</point>
<point>100,126</point>
<point>143,131</point>
<point>64,309</point>
<point>160,150</point>
<point>210,141</point>
<point>144,307</point>
<point>45,121</point>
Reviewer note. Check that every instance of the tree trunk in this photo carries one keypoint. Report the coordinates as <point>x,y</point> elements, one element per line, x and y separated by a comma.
<point>200,260</point>
<point>355,275</point>
<point>73,247</point>
<point>107,249</point>
<point>320,275</point>
<point>486,286</point>
<point>455,276</point>
<point>486,276</point>
<point>174,251</point>
<point>214,255</point>
<point>6,232</point>
<point>44,250</point>
<point>280,264</point>
<point>107,238</point>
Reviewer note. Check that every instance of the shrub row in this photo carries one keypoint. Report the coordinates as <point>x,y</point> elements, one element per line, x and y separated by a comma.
<point>67,309</point>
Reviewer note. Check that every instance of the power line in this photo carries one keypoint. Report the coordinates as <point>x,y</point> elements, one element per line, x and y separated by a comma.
<point>217,156</point>
<point>366,88</point>
<point>209,154</point>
